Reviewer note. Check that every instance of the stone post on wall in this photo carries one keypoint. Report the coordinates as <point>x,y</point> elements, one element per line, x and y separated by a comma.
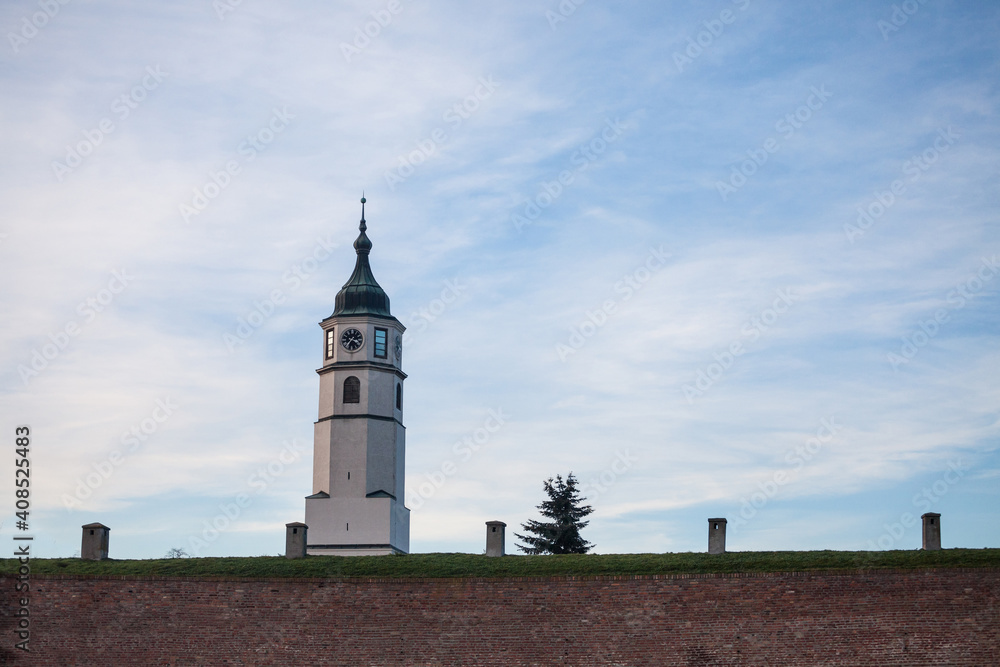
<point>295,540</point>
<point>716,536</point>
<point>95,542</point>
<point>932,531</point>
<point>495,538</point>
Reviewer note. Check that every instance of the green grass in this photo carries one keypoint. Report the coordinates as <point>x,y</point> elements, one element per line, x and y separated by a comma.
<point>468,565</point>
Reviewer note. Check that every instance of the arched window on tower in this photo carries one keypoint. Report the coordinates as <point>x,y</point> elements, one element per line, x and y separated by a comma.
<point>352,390</point>
<point>399,396</point>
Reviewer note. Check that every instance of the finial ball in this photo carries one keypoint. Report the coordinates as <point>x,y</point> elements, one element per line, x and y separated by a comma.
<point>363,200</point>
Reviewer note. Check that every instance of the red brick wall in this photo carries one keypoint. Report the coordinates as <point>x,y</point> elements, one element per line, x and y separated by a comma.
<point>926,617</point>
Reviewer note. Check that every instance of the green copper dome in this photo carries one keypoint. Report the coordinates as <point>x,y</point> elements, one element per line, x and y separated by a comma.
<point>361,294</point>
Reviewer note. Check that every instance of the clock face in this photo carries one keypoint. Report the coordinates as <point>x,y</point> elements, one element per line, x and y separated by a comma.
<point>352,339</point>
<point>399,348</point>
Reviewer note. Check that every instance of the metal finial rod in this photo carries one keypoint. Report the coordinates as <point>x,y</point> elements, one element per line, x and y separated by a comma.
<point>363,226</point>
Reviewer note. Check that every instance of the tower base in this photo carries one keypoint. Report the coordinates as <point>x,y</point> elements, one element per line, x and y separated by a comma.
<point>376,526</point>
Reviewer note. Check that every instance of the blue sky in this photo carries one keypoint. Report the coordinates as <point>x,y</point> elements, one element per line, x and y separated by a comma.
<point>732,259</point>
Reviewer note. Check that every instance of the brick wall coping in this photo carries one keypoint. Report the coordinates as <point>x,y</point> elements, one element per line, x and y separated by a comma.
<point>569,578</point>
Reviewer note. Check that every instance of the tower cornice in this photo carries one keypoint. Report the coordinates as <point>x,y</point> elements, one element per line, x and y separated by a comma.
<point>364,317</point>
<point>356,365</point>
<point>384,418</point>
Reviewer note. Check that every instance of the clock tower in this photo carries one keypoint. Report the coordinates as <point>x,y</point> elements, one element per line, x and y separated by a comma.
<point>356,507</point>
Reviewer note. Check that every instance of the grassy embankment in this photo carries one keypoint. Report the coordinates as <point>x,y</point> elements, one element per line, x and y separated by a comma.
<point>469,565</point>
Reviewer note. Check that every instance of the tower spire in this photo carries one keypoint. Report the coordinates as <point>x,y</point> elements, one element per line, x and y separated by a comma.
<point>363,245</point>
<point>361,294</point>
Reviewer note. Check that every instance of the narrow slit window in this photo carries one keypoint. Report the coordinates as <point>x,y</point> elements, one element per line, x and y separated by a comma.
<point>352,390</point>
<point>399,396</point>
<point>381,343</point>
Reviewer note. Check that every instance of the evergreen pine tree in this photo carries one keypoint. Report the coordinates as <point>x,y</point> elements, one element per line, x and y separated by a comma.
<point>561,535</point>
